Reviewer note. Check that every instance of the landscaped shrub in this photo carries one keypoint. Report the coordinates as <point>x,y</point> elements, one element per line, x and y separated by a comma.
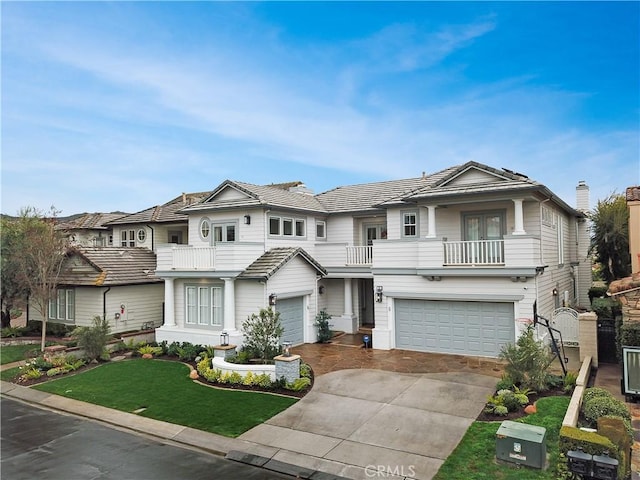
<point>601,406</point>
<point>187,352</point>
<point>593,392</point>
<point>305,370</point>
<point>569,381</point>
<point>597,292</point>
<point>505,383</point>
<point>528,361</point>
<point>605,307</point>
<point>262,333</point>
<point>298,384</point>
<point>572,438</point>
<point>93,340</point>
<point>264,380</point>
<point>12,332</point>
<point>149,350</point>
<point>324,329</point>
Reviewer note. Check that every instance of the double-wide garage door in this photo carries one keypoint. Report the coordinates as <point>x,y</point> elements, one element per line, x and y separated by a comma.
<point>292,319</point>
<point>467,328</point>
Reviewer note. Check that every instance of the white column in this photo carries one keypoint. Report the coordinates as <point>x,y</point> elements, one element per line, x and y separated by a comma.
<point>169,306</point>
<point>348,301</point>
<point>229,324</point>
<point>431,233</point>
<point>519,217</point>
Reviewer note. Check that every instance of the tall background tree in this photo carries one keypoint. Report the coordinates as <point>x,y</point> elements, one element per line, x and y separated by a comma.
<point>610,237</point>
<point>32,260</point>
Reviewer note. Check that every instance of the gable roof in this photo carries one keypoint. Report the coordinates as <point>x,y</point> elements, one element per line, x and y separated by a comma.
<point>91,221</point>
<point>505,181</point>
<point>166,213</point>
<point>274,196</point>
<point>273,260</point>
<point>109,266</point>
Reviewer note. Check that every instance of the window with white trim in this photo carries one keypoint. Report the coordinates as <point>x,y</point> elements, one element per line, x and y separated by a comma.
<point>204,306</point>
<point>274,226</point>
<point>560,230</point>
<point>127,238</point>
<point>224,232</point>
<point>142,235</point>
<point>287,227</point>
<point>204,229</point>
<point>63,306</point>
<point>409,224</point>
<point>321,229</point>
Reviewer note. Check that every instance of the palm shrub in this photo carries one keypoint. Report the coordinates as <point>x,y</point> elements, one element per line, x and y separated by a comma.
<point>262,333</point>
<point>528,361</point>
<point>93,340</point>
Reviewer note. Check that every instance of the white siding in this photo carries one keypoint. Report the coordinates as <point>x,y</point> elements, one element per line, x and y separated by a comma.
<point>341,228</point>
<point>250,298</point>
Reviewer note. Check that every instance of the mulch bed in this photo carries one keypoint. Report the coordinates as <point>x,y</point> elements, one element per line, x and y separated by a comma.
<point>491,417</point>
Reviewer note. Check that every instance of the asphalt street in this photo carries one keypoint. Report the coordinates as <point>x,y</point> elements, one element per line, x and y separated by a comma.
<point>38,443</point>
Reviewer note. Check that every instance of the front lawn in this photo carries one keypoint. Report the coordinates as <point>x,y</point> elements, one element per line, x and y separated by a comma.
<point>165,391</point>
<point>475,458</point>
<point>15,353</point>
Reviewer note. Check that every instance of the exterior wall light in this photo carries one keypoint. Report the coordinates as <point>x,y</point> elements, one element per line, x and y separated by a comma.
<point>272,299</point>
<point>379,294</point>
<point>247,219</point>
<point>286,349</point>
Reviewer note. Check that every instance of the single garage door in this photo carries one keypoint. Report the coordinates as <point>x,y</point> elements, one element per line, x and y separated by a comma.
<point>467,328</point>
<point>291,317</point>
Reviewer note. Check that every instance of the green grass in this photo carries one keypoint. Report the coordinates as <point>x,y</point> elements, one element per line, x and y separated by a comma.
<point>474,457</point>
<point>14,353</point>
<point>167,393</point>
<point>9,374</point>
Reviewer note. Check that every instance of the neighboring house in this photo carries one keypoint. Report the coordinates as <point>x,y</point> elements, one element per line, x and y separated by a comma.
<point>633,202</point>
<point>451,262</point>
<point>112,282</point>
<point>90,229</point>
<point>155,226</point>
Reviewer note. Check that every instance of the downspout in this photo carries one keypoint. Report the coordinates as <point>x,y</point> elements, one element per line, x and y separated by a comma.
<point>153,240</point>
<point>104,303</point>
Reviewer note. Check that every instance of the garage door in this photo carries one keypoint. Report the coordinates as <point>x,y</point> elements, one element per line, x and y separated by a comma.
<point>467,328</point>
<point>291,317</point>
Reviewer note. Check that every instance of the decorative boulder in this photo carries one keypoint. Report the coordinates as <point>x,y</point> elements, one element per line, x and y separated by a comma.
<point>193,374</point>
<point>147,355</point>
<point>529,409</point>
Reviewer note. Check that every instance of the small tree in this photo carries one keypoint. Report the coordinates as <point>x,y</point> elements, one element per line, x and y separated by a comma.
<point>262,333</point>
<point>528,361</point>
<point>34,258</point>
<point>93,340</point>
<point>324,329</point>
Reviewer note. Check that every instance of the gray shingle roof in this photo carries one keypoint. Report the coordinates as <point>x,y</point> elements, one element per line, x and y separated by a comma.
<point>270,262</point>
<point>91,221</point>
<point>165,213</point>
<point>274,196</point>
<point>633,194</point>
<point>368,196</point>
<point>109,266</point>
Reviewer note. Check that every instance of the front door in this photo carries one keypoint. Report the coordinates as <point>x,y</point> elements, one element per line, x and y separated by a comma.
<point>365,294</point>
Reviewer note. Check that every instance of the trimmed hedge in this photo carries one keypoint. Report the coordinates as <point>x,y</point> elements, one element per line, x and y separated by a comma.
<point>572,438</point>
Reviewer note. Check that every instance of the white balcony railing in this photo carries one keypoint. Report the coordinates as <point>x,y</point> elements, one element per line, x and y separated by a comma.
<point>185,257</point>
<point>359,255</point>
<point>474,252</point>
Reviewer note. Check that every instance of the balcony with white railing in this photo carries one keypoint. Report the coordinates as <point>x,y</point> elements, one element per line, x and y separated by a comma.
<point>474,253</point>
<point>359,255</point>
<point>342,255</point>
<point>228,256</point>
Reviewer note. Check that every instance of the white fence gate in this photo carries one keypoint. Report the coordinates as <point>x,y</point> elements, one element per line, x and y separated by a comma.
<point>566,320</point>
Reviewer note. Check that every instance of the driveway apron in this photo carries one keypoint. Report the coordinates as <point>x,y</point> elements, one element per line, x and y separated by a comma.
<point>361,423</point>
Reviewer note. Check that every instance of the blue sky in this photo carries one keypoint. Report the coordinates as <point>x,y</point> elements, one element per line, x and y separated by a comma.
<point>124,105</point>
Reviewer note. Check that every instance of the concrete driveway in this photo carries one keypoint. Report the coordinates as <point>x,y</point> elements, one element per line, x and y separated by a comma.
<point>365,424</point>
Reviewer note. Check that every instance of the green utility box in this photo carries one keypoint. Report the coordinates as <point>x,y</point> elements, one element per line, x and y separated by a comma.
<point>521,444</point>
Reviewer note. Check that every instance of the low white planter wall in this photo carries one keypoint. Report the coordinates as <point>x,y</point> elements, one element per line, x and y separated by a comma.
<point>573,411</point>
<point>256,369</point>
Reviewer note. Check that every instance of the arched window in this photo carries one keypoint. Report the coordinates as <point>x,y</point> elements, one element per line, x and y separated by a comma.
<point>205,228</point>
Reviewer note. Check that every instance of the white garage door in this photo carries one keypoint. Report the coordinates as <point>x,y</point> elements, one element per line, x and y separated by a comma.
<point>466,328</point>
<point>291,317</point>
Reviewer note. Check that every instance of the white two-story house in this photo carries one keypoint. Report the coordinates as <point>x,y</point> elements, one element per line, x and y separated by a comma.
<point>451,262</point>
